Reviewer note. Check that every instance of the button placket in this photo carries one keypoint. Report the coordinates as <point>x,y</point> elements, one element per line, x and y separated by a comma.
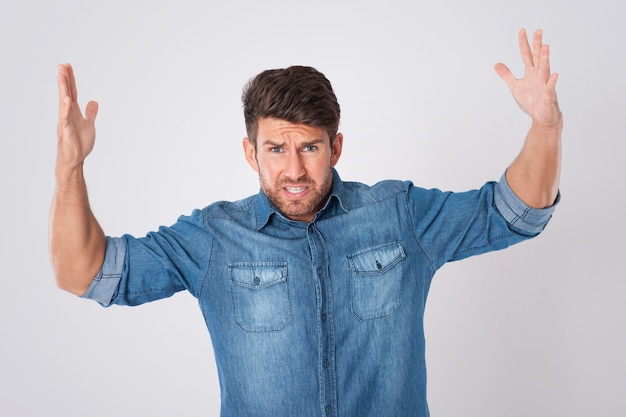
<point>326,371</point>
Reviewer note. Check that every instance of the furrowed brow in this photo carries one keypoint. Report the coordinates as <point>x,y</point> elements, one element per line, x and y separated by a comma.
<point>313,142</point>
<point>273,144</point>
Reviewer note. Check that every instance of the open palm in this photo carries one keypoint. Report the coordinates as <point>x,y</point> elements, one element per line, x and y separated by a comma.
<point>536,92</point>
<point>76,133</point>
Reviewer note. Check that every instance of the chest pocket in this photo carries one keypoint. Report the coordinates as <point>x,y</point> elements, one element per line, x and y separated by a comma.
<point>260,295</point>
<point>376,281</point>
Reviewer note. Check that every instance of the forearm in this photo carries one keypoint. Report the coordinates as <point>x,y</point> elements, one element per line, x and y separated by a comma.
<point>77,242</point>
<point>534,175</point>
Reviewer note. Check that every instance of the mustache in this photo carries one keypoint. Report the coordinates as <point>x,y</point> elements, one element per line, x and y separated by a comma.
<point>304,180</point>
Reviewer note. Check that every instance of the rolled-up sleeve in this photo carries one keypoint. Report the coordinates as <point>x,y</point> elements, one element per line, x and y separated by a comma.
<point>521,217</point>
<point>156,266</point>
<point>105,283</point>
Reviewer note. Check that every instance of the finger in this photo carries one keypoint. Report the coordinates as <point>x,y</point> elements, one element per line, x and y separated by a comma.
<point>64,97</point>
<point>505,73</point>
<point>524,47</point>
<point>537,46</point>
<point>544,61</point>
<point>91,111</point>
<point>72,79</point>
<point>62,83</point>
<point>551,84</point>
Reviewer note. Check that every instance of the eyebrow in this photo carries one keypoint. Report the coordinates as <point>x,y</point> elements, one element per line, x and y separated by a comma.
<point>276,144</point>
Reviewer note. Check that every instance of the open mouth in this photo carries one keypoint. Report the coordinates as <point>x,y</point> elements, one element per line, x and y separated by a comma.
<point>295,190</point>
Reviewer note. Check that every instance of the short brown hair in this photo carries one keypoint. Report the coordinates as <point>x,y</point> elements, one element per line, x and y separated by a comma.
<point>297,94</point>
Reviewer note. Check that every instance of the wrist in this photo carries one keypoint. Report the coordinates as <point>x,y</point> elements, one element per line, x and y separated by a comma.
<point>556,126</point>
<point>68,174</point>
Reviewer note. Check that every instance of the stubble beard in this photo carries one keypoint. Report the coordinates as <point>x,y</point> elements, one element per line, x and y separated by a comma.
<point>294,209</point>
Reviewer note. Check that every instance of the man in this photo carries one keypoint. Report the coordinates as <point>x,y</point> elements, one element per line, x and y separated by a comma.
<point>313,290</point>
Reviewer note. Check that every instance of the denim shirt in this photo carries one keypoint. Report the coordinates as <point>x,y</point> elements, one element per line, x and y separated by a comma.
<point>322,318</point>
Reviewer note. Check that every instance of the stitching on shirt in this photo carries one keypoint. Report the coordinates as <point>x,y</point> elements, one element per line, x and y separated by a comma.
<point>108,276</point>
<point>208,259</point>
<point>375,189</point>
<point>175,288</point>
<point>412,225</point>
<point>477,248</point>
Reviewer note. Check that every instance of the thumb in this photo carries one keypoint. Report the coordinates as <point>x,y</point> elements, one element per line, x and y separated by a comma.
<point>91,111</point>
<point>505,73</point>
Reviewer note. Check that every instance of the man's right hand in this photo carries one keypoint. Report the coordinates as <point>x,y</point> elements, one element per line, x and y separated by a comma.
<point>76,134</point>
<point>77,243</point>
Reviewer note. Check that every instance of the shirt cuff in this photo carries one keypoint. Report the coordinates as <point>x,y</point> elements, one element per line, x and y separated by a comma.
<point>519,215</point>
<point>105,283</point>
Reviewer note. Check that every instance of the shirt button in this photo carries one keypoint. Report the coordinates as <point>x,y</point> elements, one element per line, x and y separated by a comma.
<point>320,271</point>
<point>324,317</point>
<point>329,409</point>
<point>257,280</point>
<point>326,364</point>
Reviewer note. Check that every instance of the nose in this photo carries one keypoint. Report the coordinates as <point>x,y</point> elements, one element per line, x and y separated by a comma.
<point>295,166</point>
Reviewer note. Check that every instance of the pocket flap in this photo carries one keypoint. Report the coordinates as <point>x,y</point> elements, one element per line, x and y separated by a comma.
<point>378,259</point>
<point>257,276</point>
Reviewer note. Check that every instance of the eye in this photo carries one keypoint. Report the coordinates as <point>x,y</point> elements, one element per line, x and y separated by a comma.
<point>309,148</point>
<point>276,149</point>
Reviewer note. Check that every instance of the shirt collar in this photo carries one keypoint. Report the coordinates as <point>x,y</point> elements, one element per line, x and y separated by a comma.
<point>265,209</point>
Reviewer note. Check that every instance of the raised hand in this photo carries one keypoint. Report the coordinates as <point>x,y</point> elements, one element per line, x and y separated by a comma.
<point>76,133</point>
<point>535,93</point>
<point>77,243</point>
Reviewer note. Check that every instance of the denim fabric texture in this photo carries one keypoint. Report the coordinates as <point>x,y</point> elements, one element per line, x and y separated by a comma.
<point>322,318</point>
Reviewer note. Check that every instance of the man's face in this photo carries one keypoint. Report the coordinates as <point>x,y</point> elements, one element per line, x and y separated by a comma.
<point>294,163</point>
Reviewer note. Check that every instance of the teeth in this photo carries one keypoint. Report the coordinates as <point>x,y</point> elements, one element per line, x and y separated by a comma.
<point>294,190</point>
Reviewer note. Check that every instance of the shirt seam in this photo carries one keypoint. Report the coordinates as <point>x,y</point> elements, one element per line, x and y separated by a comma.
<point>490,241</point>
<point>417,240</point>
<point>208,259</point>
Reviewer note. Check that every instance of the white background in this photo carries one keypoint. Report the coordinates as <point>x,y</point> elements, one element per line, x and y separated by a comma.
<point>536,330</point>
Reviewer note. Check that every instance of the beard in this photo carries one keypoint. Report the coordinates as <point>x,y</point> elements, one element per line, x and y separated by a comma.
<point>305,208</point>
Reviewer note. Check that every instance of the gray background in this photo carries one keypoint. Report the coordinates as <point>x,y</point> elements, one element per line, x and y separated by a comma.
<point>537,330</point>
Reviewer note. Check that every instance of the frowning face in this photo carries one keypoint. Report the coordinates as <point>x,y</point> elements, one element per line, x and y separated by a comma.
<point>294,163</point>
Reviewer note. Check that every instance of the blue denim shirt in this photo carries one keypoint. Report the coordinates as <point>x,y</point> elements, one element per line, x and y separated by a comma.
<point>322,318</point>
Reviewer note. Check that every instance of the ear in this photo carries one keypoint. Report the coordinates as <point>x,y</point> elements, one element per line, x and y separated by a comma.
<point>336,148</point>
<point>250,153</point>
